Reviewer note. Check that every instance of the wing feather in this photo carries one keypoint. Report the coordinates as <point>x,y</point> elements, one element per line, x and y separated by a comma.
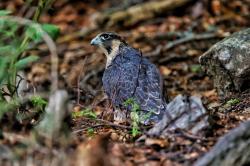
<point>133,76</point>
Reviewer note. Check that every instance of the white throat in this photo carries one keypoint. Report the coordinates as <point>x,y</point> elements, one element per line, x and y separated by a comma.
<point>111,56</point>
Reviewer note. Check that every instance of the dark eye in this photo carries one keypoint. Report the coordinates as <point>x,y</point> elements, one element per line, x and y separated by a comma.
<point>105,36</point>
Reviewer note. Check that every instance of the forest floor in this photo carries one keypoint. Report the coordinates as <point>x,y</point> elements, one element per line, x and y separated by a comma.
<point>81,67</point>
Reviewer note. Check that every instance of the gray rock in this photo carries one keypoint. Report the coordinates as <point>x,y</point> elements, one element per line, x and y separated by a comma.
<point>183,112</point>
<point>228,62</point>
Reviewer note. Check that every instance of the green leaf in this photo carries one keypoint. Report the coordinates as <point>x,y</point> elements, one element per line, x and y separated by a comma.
<point>88,113</point>
<point>195,68</point>
<point>8,28</point>
<point>52,30</point>
<point>8,106</point>
<point>22,63</point>
<point>36,34</point>
<point>129,101</point>
<point>90,131</point>
<point>5,50</point>
<point>4,61</point>
<point>132,102</point>
<point>135,117</point>
<point>39,102</point>
<point>232,102</point>
<point>5,12</point>
<point>135,131</point>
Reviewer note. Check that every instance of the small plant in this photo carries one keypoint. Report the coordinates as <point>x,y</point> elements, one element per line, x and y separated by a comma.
<point>135,124</point>
<point>39,103</point>
<point>232,102</point>
<point>16,39</point>
<point>90,131</point>
<point>135,115</point>
<point>88,113</point>
<point>196,68</point>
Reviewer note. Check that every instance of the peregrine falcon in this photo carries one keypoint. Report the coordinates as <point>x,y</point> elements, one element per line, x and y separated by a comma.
<point>130,75</point>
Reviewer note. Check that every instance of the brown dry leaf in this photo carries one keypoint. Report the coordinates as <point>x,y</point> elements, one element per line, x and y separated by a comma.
<point>165,71</point>
<point>39,73</point>
<point>210,93</point>
<point>140,157</point>
<point>148,28</point>
<point>150,163</point>
<point>182,141</point>
<point>163,143</point>
<point>117,150</point>
<point>174,23</point>
<point>191,155</point>
<point>94,152</point>
<point>216,7</point>
<point>146,49</point>
<point>170,163</point>
<point>74,74</point>
<point>114,136</point>
<point>77,109</point>
<point>193,52</point>
<point>99,110</point>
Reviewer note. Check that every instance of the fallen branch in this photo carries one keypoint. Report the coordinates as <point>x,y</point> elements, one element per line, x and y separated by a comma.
<point>104,123</point>
<point>138,13</point>
<point>189,136</point>
<point>187,38</point>
<point>232,149</point>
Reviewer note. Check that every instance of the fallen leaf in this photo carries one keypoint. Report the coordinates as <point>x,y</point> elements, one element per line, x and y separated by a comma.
<point>162,143</point>
<point>165,71</point>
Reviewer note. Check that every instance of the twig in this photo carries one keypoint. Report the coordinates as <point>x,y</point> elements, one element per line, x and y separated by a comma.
<point>190,37</point>
<point>78,81</point>
<point>108,123</point>
<point>190,136</point>
<point>104,123</point>
<point>138,13</point>
<point>187,38</point>
<point>18,84</point>
<point>100,125</point>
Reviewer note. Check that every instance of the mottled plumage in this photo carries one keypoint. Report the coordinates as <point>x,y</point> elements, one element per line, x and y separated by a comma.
<point>130,75</point>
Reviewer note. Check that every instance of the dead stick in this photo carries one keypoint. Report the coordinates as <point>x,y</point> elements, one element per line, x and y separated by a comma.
<point>191,37</point>
<point>139,12</point>
<point>109,123</point>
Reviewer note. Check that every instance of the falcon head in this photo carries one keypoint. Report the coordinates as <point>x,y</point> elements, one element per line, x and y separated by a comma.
<point>109,43</point>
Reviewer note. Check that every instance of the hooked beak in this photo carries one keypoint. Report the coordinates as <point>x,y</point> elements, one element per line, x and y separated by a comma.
<point>96,41</point>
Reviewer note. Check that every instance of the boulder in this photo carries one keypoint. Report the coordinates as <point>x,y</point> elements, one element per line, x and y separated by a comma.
<point>228,62</point>
<point>185,113</point>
